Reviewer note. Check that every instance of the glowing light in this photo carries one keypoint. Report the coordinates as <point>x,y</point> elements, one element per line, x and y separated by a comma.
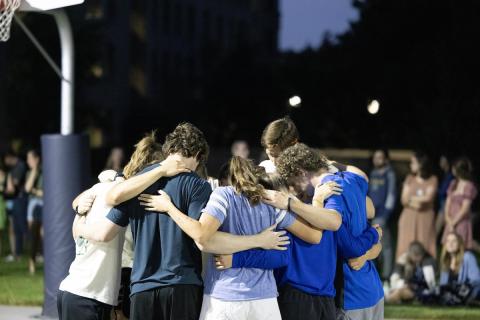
<point>294,101</point>
<point>373,107</point>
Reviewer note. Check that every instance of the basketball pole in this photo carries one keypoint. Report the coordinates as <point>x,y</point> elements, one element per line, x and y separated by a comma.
<point>66,169</point>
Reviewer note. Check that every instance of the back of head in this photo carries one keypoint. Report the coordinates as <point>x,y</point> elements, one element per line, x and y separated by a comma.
<point>272,181</point>
<point>298,159</point>
<point>147,151</point>
<point>187,140</point>
<point>280,134</point>
<point>463,168</point>
<point>243,177</point>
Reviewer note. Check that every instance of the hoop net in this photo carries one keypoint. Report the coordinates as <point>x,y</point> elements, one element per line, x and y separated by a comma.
<point>7,10</point>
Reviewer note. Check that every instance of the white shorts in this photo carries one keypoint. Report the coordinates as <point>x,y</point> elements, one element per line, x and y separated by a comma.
<point>263,309</point>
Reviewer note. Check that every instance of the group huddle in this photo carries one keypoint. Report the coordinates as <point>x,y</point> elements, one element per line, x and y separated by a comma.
<point>288,239</point>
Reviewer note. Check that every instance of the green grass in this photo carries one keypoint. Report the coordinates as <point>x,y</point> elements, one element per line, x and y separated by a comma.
<point>18,287</point>
<point>423,312</point>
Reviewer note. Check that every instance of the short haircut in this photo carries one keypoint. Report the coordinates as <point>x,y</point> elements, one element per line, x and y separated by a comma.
<point>281,133</point>
<point>298,158</point>
<point>187,140</point>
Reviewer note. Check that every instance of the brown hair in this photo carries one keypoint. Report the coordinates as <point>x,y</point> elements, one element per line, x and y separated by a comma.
<point>463,168</point>
<point>281,134</point>
<point>272,181</point>
<point>187,140</point>
<point>446,259</point>
<point>243,176</point>
<point>298,158</point>
<point>424,165</point>
<point>147,151</point>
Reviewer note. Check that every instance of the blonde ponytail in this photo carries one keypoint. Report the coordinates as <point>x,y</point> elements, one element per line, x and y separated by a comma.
<point>147,151</point>
<point>244,179</point>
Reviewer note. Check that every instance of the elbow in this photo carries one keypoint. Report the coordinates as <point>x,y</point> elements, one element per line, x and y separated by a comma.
<point>112,199</point>
<point>316,237</point>
<point>337,222</point>
<point>202,245</point>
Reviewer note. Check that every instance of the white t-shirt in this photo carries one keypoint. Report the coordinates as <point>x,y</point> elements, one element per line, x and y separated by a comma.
<point>269,166</point>
<point>128,249</point>
<point>95,272</point>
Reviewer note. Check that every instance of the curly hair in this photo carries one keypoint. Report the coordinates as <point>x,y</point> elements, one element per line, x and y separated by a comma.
<point>188,141</point>
<point>298,158</point>
<point>281,134</point>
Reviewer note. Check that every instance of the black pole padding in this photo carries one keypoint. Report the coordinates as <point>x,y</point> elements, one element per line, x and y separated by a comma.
<point>66,173</point>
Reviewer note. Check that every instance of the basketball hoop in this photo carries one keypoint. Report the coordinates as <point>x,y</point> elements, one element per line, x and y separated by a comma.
<point>7,10</point>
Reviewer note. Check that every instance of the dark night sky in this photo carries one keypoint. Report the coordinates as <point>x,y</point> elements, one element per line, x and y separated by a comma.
<point>303,22</point>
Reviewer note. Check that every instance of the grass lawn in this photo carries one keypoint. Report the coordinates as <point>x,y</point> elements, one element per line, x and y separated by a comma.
<point>17,287</point>
<point>422,312</point>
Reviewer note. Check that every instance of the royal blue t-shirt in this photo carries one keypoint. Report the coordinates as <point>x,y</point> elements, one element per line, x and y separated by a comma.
<point>362,288</point>
<point>164,255</point>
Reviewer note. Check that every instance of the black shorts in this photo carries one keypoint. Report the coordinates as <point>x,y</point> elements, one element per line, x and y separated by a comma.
<point>167,303</point>
<point>73,307</point>
<point>298,305</point>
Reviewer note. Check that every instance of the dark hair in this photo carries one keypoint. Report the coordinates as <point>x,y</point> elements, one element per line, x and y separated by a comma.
<point>463,168</point>
<point>35,152</point>
<point>298,158</point>
<point>272,181</point>
<point>281,134</point>
<point>187,140</point>
<point>424,164</point>
<point>243,176</point>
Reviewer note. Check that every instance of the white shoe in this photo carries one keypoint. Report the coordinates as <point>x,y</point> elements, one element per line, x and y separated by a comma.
<point>9,258</point>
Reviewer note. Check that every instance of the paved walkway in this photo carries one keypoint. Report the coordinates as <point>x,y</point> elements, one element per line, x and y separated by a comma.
<point>19,313</point>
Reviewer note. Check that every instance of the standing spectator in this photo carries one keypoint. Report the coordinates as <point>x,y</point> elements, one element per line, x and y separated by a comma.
<point>417,220</point>
<point>241,149</point>
<point>3,208</point>
<point>442,192</point>
<point>15,189</point>
<point>458,267</point>
<point>34,189</point>
<point>383,192</point>
<point>116,160</point>
<point>461,193</point>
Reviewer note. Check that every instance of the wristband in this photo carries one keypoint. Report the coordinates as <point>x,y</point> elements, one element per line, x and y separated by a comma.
<point>288,204</point>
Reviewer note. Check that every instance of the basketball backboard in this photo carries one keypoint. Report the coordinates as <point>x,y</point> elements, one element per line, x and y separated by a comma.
<point>45,5</point>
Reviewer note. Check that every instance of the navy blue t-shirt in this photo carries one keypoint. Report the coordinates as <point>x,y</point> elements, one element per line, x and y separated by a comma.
<point>164,254</point>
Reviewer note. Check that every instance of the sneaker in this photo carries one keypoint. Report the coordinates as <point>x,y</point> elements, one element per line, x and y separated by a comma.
<point>9,258</point>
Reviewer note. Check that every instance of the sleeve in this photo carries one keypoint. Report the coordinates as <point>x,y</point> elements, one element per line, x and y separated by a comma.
<point>470,191</point>
<point>391,194</point>
<point>335,202</point>
<point>353,247</point>
<point>119,214</point>
<point>451,187</point>
<point>261,259</point>
<point>473,272</point>
<point>284,218</point>
<point>443,278</point>
<point>217,206</point>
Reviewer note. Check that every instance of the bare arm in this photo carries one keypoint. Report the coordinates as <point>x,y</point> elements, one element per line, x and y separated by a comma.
<point>370,208</point>
<point>405,191</point>
<point>226,243</point>
<point>349,168</point>
<point>318,217</point>
<point>133,186</point>
<point>32,175</point>
<point>464,210</point>
<point>102,231</point>
<point>305,231</point>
